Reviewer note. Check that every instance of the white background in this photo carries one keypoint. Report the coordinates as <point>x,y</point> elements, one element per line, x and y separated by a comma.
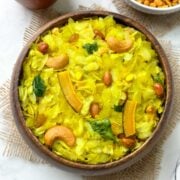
<point>13,20</point>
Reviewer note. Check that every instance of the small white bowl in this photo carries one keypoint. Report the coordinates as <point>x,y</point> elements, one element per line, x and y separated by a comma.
<point>152,10</point>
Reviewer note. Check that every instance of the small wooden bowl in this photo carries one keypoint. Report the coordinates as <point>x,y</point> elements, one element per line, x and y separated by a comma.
<point>36,4</point>
<point>77,167</point>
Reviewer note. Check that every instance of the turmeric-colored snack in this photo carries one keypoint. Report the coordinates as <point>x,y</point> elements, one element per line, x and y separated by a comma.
<point>159,3</point>
<point>92,91</point>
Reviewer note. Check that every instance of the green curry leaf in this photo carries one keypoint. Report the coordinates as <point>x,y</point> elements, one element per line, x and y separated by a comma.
<point>158,79</point>
<point>103,127</point>
<point>118,108</point>
<point>90,48</point>
<point>38,86</point>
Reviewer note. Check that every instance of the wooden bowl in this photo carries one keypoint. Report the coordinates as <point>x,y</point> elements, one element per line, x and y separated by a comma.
<point>81,168</point>
<point>36,4</point>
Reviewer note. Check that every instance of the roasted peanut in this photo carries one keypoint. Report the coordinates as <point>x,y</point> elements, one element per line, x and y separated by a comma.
<point>107,78</point>
<point>119,46</point>
<point>128,142</point>
<point>94,109</point>
<point>43,47</point>
<point>59,132</point>
<point>40,120</point>
<point>159,90</point>
<point>74,37</point>
<point>58,62</point>
<point>99,34</point>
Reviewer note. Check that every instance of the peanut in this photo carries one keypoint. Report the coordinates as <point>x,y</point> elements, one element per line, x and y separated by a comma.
<point>58,62</point>
<point>94,109</point>
<point>59,132</point>
<point>159,90</point>
<point>119,46</point>
<point>43,47</point>
<point>107,78</point>
<point>74,37</point>
<point>128,142</point>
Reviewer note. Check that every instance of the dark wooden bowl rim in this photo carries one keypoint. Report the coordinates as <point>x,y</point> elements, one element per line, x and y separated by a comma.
<point>77,167</point>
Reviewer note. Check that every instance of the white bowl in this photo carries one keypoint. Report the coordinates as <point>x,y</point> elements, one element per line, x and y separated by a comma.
<point>152,10</point>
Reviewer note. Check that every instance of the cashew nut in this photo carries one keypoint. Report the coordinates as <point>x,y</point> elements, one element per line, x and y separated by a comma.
<point>119,46</point>
<point>58,62</point>
<point>159,90</point>
<point>59,132</point>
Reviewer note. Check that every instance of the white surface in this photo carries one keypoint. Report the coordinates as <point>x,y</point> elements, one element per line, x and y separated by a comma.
<point>16,169</point>
<point>14,19</point>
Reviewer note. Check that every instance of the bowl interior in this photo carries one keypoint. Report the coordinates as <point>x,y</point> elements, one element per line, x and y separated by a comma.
<point>76,166</point>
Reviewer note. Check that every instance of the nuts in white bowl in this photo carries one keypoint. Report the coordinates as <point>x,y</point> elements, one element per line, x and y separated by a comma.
<point>158,7</point>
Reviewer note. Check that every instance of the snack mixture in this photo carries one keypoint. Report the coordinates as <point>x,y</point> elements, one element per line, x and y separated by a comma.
<point>159,3</point>
<point>92,91</point>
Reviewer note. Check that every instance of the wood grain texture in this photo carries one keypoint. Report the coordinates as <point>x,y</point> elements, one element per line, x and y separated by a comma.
<point>81,168</point>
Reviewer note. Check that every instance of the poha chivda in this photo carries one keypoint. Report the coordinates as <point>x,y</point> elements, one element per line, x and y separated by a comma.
<point>92,90</point>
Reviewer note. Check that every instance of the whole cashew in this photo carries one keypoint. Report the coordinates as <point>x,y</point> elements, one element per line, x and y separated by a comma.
<point>59,132</point>
<point>58,62</point>
<point>119,46</point>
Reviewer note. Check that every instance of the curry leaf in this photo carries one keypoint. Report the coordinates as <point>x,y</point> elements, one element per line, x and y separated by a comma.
<point>38,86</point>
<point>158,79</point>
<point>90,48</point>
<point>103,127</point>
<point>118,108</point>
